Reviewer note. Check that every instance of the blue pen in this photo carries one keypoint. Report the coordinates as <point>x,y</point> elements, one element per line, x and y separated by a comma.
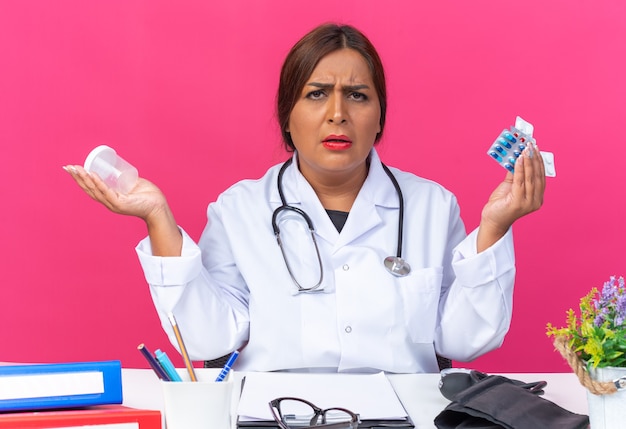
<point>229,364</point>
<point>167,365</point>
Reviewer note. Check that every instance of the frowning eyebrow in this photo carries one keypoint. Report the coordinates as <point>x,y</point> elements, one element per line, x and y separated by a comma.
<point>328,86</point>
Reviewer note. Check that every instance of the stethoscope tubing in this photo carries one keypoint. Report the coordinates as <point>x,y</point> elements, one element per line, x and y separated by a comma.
<point>400,210</point>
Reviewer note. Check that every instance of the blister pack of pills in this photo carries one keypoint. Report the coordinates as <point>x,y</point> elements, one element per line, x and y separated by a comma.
<point>510,144</point>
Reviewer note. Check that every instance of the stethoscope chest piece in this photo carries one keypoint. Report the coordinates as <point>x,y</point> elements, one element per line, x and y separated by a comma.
<point>397,266</point>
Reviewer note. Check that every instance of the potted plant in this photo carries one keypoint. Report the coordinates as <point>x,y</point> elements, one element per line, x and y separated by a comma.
<point>594,344</point>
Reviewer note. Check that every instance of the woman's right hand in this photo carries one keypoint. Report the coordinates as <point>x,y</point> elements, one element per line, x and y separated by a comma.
<point>143,201</point>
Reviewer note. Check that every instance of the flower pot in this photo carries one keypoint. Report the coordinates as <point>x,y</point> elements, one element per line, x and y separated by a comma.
<point>607,411</point>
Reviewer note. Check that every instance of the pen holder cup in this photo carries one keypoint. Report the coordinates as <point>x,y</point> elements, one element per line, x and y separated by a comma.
<point>198,405</point>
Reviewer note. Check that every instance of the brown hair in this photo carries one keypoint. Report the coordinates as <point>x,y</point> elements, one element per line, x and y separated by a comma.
<point>303,58</point>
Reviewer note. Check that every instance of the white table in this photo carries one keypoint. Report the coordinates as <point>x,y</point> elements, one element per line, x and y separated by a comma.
<point>419,393</point>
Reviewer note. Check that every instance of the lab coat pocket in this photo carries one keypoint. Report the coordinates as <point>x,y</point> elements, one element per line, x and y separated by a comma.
<point>420,301</point>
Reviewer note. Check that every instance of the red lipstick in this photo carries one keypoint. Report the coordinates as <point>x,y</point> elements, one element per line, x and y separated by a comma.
<point>335,142</point>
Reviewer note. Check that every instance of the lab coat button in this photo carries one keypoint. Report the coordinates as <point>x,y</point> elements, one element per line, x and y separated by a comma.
<point>346,267</point>
<point>348,329</point>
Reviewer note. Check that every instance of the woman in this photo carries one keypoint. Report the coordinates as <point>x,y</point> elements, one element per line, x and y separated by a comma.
<point>329,303</point>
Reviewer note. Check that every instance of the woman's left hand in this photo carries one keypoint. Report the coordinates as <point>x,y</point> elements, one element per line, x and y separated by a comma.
<point>519,194</point>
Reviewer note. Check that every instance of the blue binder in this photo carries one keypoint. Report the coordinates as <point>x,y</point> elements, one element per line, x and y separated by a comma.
<point>60,385</point>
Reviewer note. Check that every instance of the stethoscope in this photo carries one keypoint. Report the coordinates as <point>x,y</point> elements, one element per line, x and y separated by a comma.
<point>394,264</point>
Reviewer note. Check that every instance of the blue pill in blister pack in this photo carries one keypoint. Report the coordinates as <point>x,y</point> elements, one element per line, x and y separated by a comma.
<point>505,143</point>
<point>509,137</point>
<point>495,156</point>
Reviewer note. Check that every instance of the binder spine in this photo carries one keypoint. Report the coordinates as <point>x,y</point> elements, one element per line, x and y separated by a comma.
<point>62,385</point>
<point>106,416</point>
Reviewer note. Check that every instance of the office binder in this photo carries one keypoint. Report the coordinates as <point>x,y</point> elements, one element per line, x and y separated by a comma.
<point>60,385</point>
<point>105,416</point>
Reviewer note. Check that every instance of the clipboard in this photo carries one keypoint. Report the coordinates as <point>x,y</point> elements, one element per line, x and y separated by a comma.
<point>364,424</point>
<point>267,386</point>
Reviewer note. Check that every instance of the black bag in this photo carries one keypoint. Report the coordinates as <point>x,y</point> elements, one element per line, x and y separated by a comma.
<point>496,402</point>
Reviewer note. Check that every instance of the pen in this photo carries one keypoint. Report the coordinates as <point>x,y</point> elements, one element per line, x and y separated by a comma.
<point>153,363</point>
<point>167,365</point>
<point>183,349</point>
<point>229,364</point>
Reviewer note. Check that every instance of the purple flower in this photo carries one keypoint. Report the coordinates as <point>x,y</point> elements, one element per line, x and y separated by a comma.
<point>599,320</point>
<point>611,303</point>
<point>620,309</point>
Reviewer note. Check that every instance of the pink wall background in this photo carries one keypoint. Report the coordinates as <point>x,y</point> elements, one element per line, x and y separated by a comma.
<point>185,91</point>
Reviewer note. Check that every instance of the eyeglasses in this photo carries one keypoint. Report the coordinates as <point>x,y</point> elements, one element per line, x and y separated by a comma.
<point>299,413</point>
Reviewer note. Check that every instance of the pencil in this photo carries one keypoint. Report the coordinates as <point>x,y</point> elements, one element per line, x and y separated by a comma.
<point>183,349</point>
<point>153,363</point>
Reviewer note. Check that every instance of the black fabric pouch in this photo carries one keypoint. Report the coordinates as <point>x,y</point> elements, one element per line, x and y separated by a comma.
<point>496,402</point>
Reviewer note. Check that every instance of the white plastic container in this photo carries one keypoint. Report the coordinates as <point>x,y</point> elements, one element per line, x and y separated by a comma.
<point>204,404</point>
<point>112,169</point>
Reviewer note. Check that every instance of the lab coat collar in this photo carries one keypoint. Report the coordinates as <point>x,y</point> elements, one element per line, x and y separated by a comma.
<point>377,190</point>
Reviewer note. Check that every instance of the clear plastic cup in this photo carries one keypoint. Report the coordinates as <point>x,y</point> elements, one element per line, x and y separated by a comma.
<point>112,169</point>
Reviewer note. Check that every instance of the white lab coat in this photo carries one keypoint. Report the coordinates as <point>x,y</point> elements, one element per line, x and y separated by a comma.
<point>233,291</point>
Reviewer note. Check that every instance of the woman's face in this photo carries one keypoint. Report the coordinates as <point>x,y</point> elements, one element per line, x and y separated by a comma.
<point>335,120</point>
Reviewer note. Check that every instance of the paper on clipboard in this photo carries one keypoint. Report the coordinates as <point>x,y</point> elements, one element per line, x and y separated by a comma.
<point>369,395</point>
